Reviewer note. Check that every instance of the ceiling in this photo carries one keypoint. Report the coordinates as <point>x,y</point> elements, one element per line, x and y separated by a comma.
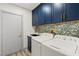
<point>29,6</point>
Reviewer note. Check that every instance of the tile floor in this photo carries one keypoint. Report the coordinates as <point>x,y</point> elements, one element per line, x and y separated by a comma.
<point>21,53</point>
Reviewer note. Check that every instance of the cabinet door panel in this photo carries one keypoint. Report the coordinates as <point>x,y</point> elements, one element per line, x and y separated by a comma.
<point>72,11</point>
<point>47,51</point>
<point>34,17</point>
<point>40,15</point>
<point>46,12</point>
<point>58,12</point>
<point>52,15</point>
<point>36,48</point>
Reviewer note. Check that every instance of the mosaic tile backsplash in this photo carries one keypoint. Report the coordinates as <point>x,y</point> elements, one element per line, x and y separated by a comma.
<point>70,28</point>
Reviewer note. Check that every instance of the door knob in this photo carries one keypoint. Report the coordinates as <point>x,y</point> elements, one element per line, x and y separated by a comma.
<point>19,34</point>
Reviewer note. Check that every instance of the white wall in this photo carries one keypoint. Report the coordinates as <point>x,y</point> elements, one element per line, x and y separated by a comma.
<point>0,33</point>
<point>27,19</point>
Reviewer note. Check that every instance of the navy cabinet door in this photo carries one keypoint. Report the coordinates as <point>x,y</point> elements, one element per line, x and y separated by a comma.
<point>40,15</point>
<point>46,12</point>
<point>58,12</point>
<point>72,11</point>
<point>52,11</point>
<point>35,17</point>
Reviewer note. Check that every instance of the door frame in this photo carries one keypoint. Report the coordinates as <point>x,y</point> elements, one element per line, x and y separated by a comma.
<point>2,11</point>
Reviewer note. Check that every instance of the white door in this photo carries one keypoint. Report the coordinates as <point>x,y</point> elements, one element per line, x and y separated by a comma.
<point>0,33</point>
<point>11,28</point>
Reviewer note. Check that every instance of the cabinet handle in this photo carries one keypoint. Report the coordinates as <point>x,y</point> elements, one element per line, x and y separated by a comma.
<point>63,16</point>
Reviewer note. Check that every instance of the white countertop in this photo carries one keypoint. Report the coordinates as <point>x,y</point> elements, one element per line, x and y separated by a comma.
<point>60,46</point>
<point>42,38</point>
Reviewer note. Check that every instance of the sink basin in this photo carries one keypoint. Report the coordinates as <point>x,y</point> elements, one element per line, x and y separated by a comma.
<point>34,35</point>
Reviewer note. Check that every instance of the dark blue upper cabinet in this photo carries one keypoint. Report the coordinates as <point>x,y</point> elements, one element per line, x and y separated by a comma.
<point>72,11</point>
<point>35,17</point>
<point>40,15</point>
<point>58,11</point>
<point>52,13</point>
<point>46,12</point>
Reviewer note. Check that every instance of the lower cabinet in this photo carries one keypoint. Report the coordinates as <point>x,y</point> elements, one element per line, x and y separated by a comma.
<point>39,49</point>
<point>36,48</point>
<point>46,51</point>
